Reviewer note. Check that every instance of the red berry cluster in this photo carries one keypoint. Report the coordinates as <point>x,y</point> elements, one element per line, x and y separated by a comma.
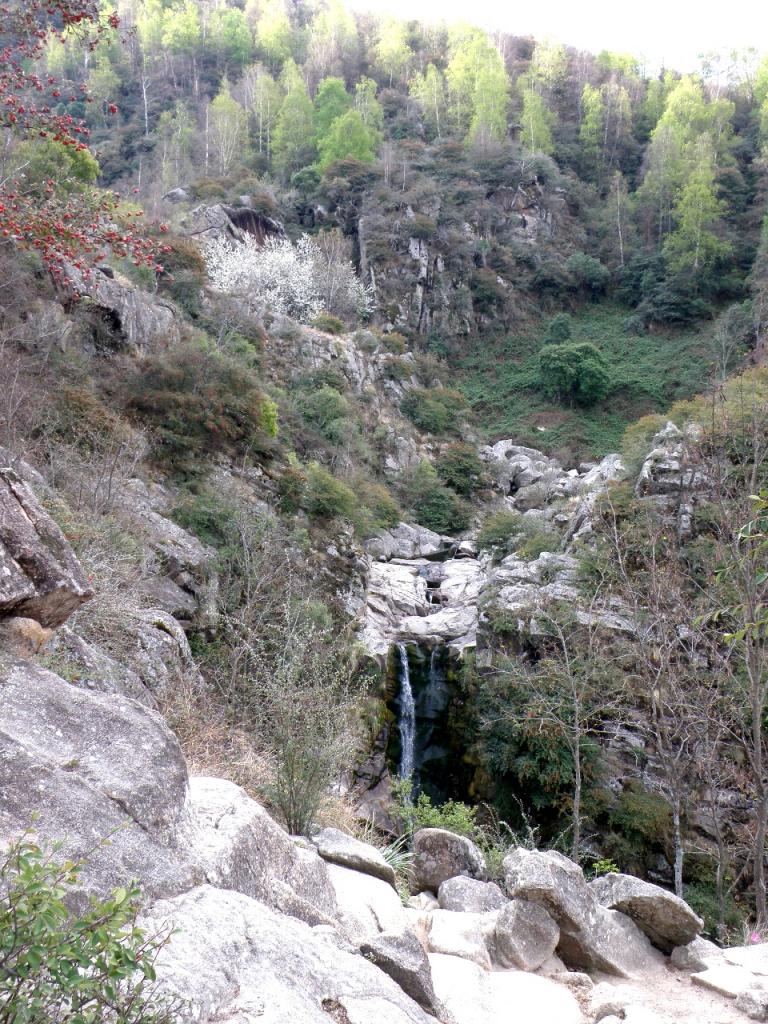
<point>68,231</point>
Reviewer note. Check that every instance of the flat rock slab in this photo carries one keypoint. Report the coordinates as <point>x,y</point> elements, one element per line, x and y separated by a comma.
<point>667,920</point>
<point>337,847</point>
<point>728,981</point>
<point>473,996</point>
<point>754,958</point>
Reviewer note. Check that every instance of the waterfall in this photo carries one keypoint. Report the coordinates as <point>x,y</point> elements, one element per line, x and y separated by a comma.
<point>407,723</point>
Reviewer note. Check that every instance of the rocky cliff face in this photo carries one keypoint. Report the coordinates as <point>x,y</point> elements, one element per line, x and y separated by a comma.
<point>269,925</point>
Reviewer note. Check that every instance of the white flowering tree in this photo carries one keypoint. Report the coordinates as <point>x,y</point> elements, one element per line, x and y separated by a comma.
<point>287,279</point>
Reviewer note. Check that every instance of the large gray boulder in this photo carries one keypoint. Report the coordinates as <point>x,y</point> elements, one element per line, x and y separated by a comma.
<point>339,848</point>
<point>408,540</point>
<point>231,958</point>
<point>439,855</point>
<point>591,936</point>
<point>139,322</point>
<point>87,666</point>
<point>697,955</point>
<point>470,895</point>
<point>525,937</point>
<point>93,766</point>
<point>40,577</point>
<point>667,920</point>
<point>367,905</point>
<point>402,957</point>
<point>238,846</point>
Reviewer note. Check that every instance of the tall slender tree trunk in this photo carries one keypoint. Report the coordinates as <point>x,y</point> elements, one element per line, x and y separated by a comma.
<point>678,841</point>
<point>577,784</point>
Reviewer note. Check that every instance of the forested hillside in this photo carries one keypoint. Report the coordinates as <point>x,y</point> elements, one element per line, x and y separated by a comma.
<point>481,185</point>
<point>392,398</point>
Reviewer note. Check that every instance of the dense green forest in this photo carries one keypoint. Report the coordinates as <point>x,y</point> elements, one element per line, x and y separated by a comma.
<point>482,184</point>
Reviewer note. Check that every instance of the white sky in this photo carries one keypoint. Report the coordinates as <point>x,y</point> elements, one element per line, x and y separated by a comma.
<point>665,32</point>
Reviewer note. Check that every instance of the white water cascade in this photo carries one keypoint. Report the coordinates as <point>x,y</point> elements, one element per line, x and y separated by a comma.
<point>407,722</point>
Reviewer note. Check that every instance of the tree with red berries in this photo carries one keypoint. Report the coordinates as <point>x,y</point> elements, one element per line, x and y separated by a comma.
<point>71,229</point>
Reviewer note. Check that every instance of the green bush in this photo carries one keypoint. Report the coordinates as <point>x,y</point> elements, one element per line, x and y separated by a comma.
<point>432,504</point>
<point>501,533</point>
<point>69,968</point>
<point>453,815</point>
<point>377,509</point>
<point>560,329</point>
<point>323,408</point>
<point>588,273</point>
<point>459,466</point>
<point>436,410</point>
<point>185,289</point>
<point>421,227</point>
<point>577,373</point>
<point>328,323</point>
<point>537,543</point>
<point>199,403</point>
<point>487,291</point>
<point>327,497</point>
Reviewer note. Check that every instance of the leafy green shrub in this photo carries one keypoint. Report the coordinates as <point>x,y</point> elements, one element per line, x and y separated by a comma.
<point>436,410</point>
<point>537,543</point>
<point>501,533</point>
<point>327,497</point>
<point>588,273</point>
<point>487,291</point>
<point>636,442</point>
<point>184,255</point>
<point>185,289</point>
<point>199,403</point>
<point>291,486</point>
<point>56,965</point>
<point>328,323</point>
<point>206,514</point>
<point>640,826</point>
<point>395,368</point>
<point>377,509</point>
<point>453,815</point>
<point>576,372</point>
<point>394,342</point>
<point>432,503</point>
<point>323,408</point>
<point>459,466</point>
<point>560,329</point>
<point>508,532</point>
<point>421,227</point>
